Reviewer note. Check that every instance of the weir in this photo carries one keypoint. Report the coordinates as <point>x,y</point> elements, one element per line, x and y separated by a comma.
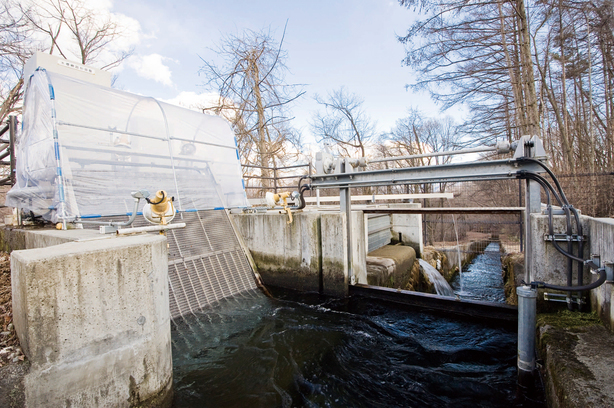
<point>203,265</point>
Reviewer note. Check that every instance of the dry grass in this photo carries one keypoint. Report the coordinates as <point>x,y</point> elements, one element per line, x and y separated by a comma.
<point>10,352</point>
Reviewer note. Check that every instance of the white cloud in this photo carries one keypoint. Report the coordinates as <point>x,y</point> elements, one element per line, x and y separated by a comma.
<point>151,67</point>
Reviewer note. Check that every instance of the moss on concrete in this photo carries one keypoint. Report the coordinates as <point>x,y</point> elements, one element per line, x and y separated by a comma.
<point>577,359</point>
<point>567,319</point>
<point>391,266</point>
<point>512,271</point>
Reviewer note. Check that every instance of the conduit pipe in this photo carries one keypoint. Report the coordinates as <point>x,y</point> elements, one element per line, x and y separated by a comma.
<point>137,195</point>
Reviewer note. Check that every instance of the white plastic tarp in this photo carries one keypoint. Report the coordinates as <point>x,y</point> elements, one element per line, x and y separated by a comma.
<point>84,148</point>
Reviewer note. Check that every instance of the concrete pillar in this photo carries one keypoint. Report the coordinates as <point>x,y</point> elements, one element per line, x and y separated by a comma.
<point>93,319</point>
<point>335,277</point>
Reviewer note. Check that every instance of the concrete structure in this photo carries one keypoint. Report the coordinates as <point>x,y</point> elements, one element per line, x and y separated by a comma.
<point>310,253</point>
<point>602,243</point>
<point>550,266</point>
<point>393,266</point>
<point>577,363</point>
<point>93,319</point>
<point>408,227</point>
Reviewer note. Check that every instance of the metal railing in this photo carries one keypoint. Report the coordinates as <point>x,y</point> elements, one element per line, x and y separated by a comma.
<point>278,180</point>
<point>7,152</point>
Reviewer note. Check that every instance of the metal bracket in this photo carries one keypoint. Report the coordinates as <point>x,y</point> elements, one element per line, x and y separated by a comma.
<point>564,238</point>
<point>559,297</point>
<point>609,272</point>
<point>108,229</point>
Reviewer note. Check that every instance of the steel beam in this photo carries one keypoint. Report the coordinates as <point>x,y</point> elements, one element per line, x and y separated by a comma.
<point>445,210</point>
<point>454,172</point>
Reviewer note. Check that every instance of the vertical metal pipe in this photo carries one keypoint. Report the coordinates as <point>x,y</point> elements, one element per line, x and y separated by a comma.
<point>275,179</point>
<point>12,133</point>
<point>527,236</point>
<point>345,201</point>
<point>520,216</point>
<point>527,309</point>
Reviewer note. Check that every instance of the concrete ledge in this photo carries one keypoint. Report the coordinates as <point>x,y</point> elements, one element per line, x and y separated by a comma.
<point>94,321</point>
<point>28,237</point>
<point>578,362</point>
<point>392,266</point>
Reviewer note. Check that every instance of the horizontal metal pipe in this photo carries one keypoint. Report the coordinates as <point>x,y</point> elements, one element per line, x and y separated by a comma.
<point>60,123</point>
<point>253,166</point>
<point>126,231</point>
<point>445,210</point>
<point>435,154</point>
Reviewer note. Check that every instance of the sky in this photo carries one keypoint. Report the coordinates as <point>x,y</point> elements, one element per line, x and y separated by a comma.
<point>329,44</point>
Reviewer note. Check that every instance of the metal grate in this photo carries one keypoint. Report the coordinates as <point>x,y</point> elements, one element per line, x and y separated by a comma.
<point>206,262</point>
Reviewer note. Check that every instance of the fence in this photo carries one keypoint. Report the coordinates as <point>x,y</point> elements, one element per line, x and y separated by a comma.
<point>258,184</point>
<point>7,152</point>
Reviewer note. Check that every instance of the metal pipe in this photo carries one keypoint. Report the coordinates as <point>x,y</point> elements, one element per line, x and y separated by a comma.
<point>435,154</point>
<point>126,231</point>
<point>527,309</point>
<point>117,223</point>
<point>253,166</point>
<point>60,123</point>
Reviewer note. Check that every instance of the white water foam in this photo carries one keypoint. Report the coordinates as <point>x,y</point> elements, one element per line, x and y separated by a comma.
<point>442,287</point>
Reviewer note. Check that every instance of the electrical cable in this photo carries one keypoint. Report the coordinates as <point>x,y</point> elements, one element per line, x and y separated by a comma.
<point>569,210</point>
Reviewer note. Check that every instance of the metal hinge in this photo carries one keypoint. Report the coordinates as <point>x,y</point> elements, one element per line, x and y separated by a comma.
<point>564,238</point>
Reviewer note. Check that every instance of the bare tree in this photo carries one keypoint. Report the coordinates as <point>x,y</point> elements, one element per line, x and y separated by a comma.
<point>343,122</point>
<point>477,53</point>
<point>255,98</point>
<point>29,26</point>
<point>90,33</point>
<point>14,50</point>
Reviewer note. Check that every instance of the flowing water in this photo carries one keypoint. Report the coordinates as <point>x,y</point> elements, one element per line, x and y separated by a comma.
<point>442,287</point>
<point>482,280</point>
<point>309,351</point>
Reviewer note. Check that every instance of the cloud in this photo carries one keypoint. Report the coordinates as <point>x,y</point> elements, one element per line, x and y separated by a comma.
<point>151,67</point>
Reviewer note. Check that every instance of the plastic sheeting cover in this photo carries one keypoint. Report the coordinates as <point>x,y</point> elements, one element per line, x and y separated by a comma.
<point>84,148</point>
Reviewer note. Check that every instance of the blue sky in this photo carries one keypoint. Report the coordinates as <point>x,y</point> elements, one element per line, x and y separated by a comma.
<point>329,44</point>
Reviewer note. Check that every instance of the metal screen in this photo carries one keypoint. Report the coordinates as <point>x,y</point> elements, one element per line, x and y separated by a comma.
<point>205,263</point>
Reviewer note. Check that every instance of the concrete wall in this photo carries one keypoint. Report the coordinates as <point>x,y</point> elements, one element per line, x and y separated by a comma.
<point>308,255</point>
<point>94,321</point>
<point>602,243</point>
<point>409,226</point>
<point>549,265</point>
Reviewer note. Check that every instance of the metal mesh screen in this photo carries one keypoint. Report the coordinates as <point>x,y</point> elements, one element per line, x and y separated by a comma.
<point>205,263</point>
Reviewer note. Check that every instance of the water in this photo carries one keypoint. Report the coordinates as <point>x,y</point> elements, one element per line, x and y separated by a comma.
<point>482,280</point>
<point>315,352</point>
<point>442,287</point>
